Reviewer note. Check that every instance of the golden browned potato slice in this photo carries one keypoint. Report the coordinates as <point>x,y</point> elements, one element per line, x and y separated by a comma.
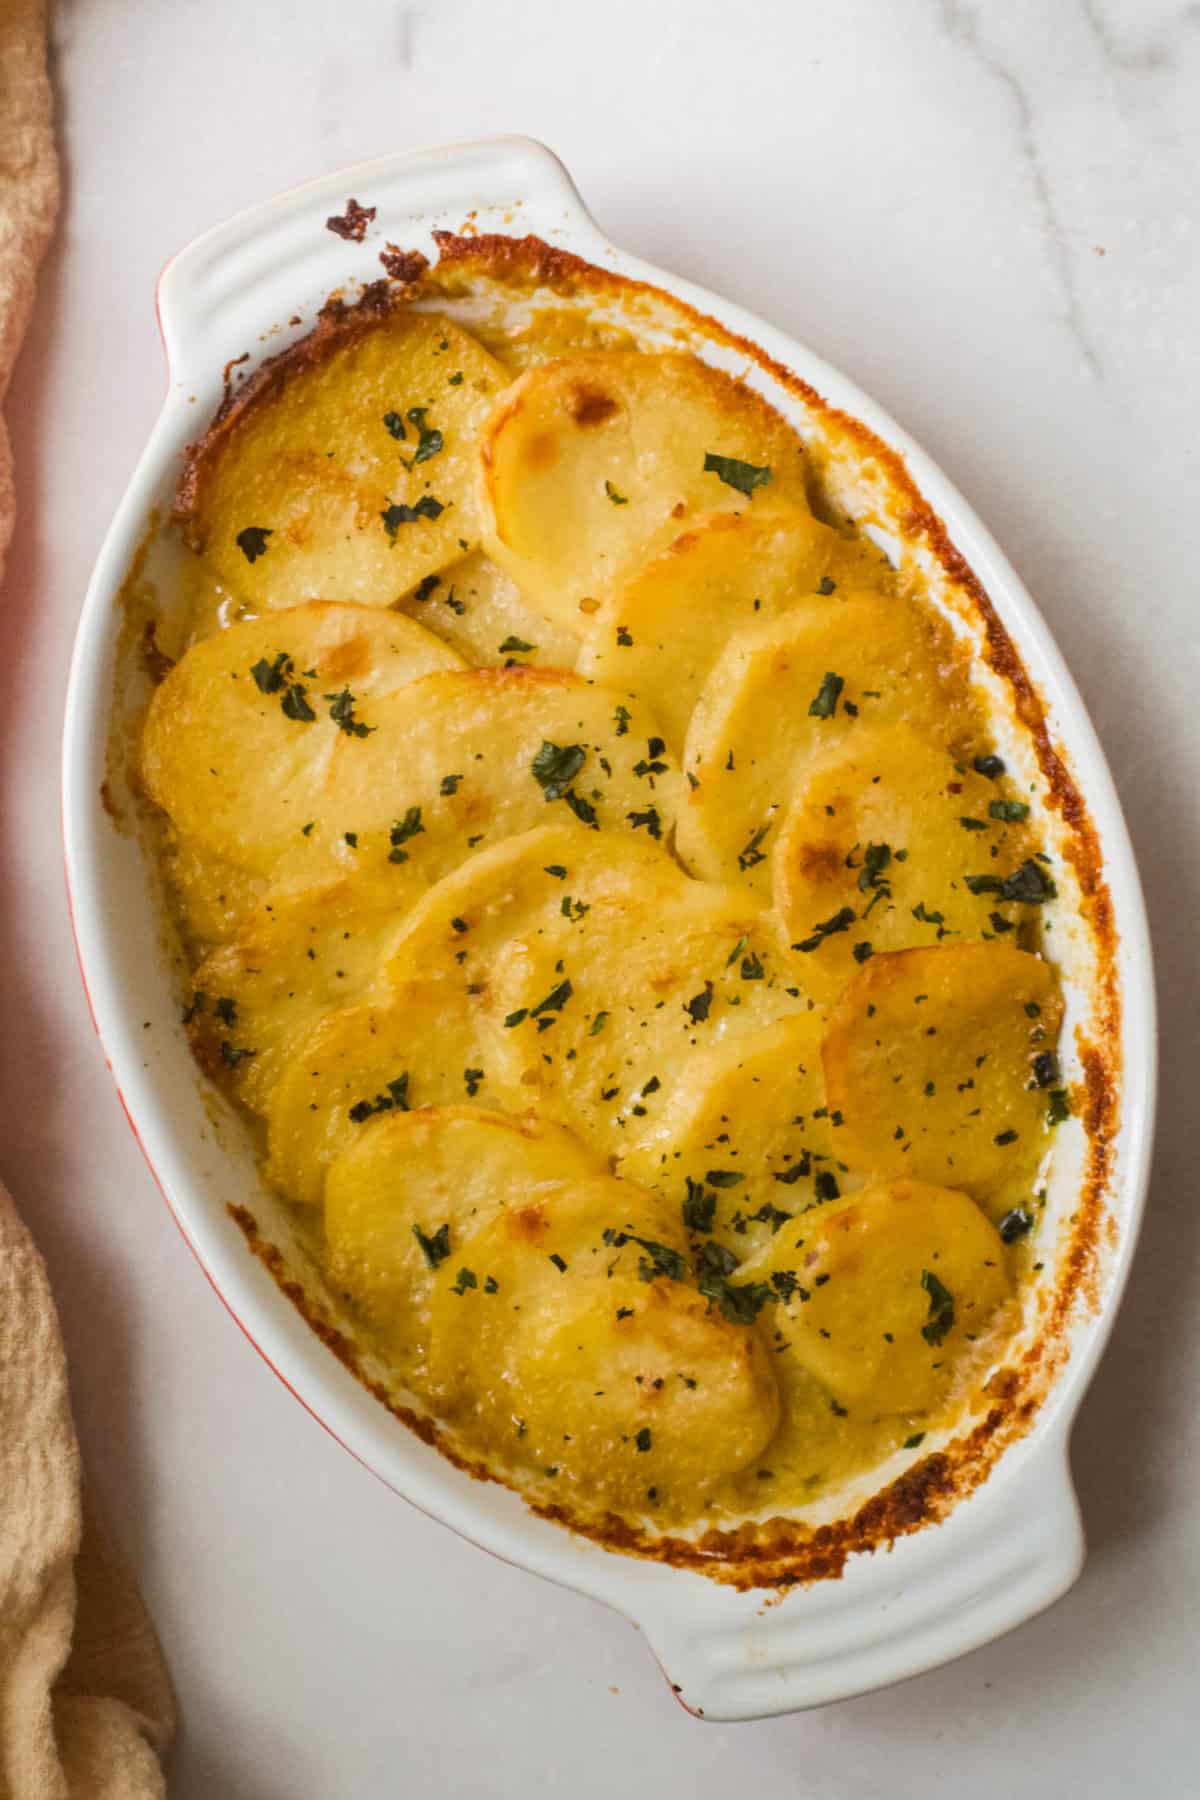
<point>412,1186</point>
<point>743,1141</point>
<point>348,470</point>
<point>891,828</point>
<point>479,610</point>
<point>659,631</point>
<point>302,953</point>
<point>565,1339</point>
<point>425,1047</point>
<point>938,1060</point>
<point>241,738</point>
<point>780,696</point>
<point>590,461</point>
<point>880,1295</point>
<point>461,760</point>
<point>601,1020</point>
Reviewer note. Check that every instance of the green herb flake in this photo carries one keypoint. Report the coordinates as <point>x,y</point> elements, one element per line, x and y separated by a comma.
<point>841,921</point>
<point>465,1279</point>
<point>436,1248</point>
<point>252,542</point>
<point>515,646</point>
<point>1016,1224</point>
<point>616,498</point>
<point>396,513</point>
<point>555,767</point>
<point>823,704</point>
<point>1009,812</point>
<point>699,1207</point>
<point>941,1308</point>
<point>743,476</point>
<point>643,1439</point>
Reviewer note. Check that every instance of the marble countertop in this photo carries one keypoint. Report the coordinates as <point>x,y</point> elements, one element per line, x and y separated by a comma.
<point>986,213</point>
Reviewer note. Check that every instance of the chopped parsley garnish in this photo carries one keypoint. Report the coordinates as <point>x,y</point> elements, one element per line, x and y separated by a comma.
<point>740,1305</point>
<point>404,829</point>
<point>863,952</point>
<point>825,1185</point>
<point>991,766</point>
<point>429,441</point>
<point>554,1001</point>
<point>752,968</point>
<point>621,719</point>
<point>827,585</point>
<point>752,854</point>
<point>649,818</point>
<point>225,1009</point>
<point>394,425</point>
<point>659,1259</point>
<point>1029,884</point>
<point>876,858</point>
<point>724,1178</point>
<point>231,1056</point>
<point>743,476</point>
<point>437,1247</point>
<point>450,784</point>
<point>1009,811</point>
<point>598,1024</point>
<point>395,1099</point>
<point>558,1262</point>
<point>841,921</point>
<point>1060,1106</point>
<point>295,705</point>
<point>616,498</point>
<point>1006,1137</point>
<point>1015,1224</point>
<point>941,1308</point>
<point>252,542</point>
<point>823,704</point>
<point>515,646</point>
<point>624,637</point>
<point>643,1440</point>
<point>969,824</point>
<point>341,711</point>
<point>1045,1069</point>
<point>463,1280</point>
<point>699,1207</point>
<point>914,1442</point>
<point>555,767</point>
<point>472,1078</point>
<point>700,1004</point>
<point>426,586</point>
<point>583,809</point>
<point>396,513</point>
<point>269,677</point>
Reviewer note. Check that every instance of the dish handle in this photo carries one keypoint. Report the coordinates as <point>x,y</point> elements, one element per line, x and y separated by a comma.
<point>238,284</point>
<point>1001,1557</point>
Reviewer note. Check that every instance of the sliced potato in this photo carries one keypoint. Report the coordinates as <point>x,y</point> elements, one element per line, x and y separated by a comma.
<point>880,1295</point>
<point>601,1020</point>
<point>425,1047</point>
<point>890,825</point>
<point>347,472</point>
<point>590,461</point>
<point>659,631</point>
<point>479,610</point>
<point>743,1141</point>
<point>302,953</point>
<point>442,1172</point>
<point>933,1059</point>
<point>575,1355</point>
<point>780,696</point>
<point>241,738</point>
<point>463,759</point>
<point>213,898</point>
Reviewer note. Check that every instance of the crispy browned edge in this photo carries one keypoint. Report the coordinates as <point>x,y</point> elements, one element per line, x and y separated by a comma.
<point>777,1553</point>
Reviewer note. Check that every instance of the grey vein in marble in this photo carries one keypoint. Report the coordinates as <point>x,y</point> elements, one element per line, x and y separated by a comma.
<point>963,25</point>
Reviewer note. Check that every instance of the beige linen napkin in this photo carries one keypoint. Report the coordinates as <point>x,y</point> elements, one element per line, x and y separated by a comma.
<point>85,1704</point>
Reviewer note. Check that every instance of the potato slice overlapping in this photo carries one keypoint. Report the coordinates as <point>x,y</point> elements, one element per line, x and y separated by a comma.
<point>240,740</point>
<point>879,1294</point>
<point>590,462</point>
<point>565,1337</point>
<point>783,694</point>
<point>347,472</point>
<point>888,833</point>
<point>940,1062</point>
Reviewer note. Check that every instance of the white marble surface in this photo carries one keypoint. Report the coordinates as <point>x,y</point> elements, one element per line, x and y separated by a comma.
<point>987,214</point>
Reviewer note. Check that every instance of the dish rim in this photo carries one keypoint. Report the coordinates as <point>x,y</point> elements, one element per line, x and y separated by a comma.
<point>687,1618</point>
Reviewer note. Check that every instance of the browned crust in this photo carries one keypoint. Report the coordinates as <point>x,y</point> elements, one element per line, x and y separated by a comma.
<point>338,325</point>
<point>781,1553</point>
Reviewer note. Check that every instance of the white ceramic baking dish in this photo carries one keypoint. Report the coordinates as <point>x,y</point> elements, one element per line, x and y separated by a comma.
<point>1009,1547</point>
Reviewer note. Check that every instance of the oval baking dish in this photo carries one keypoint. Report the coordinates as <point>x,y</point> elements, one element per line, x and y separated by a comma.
<point>955,1540</point>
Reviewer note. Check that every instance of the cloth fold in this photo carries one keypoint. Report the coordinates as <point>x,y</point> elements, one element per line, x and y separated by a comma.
<point>85,1703</point>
